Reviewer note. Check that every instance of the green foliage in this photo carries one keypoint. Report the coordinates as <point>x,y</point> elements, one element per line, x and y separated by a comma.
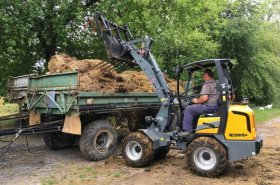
<point>259,83</point>
<point>183,31</point>
<point>32,31</point>
<point>254,44</point>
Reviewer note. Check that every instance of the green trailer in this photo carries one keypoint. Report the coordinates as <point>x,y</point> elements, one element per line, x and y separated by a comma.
<point>56,105</point>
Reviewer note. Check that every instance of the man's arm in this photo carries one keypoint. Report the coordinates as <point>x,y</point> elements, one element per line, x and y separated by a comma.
<point>201,99</point>
<point>204,97</point>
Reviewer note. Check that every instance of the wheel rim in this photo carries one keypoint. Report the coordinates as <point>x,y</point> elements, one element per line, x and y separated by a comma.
<point>103,141</point>
<point>205,158</point>
<point>134,150</point>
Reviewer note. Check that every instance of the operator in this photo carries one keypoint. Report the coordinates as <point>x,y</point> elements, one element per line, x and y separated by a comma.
<point>207,102</point>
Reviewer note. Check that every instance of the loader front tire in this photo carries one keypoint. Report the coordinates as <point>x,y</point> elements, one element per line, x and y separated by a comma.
<point>98,140</point>
<point>206,157</point>
<point>59,140</point>
<point>138,149</point>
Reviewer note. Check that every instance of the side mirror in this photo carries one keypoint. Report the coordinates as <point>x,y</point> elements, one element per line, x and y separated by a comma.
<point>245,101</point>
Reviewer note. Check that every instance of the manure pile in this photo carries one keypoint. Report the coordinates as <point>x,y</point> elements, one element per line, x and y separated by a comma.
<point>96,77</point>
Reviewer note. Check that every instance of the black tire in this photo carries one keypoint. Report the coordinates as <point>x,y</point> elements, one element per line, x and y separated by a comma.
<point>206,157</point>
<point>59,140</point>
<point>138,149</point>
<point>161,152</point>
<point>98,140</point>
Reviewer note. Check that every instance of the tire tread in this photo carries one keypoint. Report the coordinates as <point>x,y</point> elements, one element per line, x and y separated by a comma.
<point>219,150</point>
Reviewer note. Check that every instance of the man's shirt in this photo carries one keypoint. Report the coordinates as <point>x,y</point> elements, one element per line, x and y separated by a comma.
<point>209,88</point>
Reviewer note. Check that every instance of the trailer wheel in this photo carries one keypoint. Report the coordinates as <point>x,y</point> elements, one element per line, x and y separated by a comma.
<point>206,157</point>
<point>161,152</point>
<point>98,140</point>
<point>138,149</point>
<point>59,140</point>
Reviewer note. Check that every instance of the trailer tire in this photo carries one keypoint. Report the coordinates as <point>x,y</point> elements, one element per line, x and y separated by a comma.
<point>206,157</point>
<point>138,149</point>
<point>98,140</point>
<point>59,140</point>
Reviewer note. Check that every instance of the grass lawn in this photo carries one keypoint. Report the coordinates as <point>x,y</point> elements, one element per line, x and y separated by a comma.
<point>7,109</point>
<point>266,114</point>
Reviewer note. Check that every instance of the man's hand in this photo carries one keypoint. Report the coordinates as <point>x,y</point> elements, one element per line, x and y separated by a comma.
<point>201,99</point>
<point>195,100</point>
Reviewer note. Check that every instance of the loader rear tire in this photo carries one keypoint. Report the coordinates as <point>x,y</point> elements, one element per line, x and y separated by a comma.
<point>98,140</point>
<point>59,140</point>
<point>206,157</point>
<point>138,149</point>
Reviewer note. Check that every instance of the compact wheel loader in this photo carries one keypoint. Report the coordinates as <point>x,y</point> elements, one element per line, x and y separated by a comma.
<point>220,137</point>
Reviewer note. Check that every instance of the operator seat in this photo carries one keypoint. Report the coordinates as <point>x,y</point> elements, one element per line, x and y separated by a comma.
<point>215,113</point>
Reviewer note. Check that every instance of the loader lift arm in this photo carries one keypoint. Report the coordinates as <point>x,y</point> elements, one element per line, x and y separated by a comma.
<point>123,53</point>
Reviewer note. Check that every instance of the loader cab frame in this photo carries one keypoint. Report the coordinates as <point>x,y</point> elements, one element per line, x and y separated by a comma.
<point>223,84</point>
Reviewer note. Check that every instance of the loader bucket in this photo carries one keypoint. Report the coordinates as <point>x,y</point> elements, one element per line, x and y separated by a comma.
<point>115,39</point>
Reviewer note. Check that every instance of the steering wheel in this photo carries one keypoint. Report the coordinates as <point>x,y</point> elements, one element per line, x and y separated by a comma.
<point>185,99</point>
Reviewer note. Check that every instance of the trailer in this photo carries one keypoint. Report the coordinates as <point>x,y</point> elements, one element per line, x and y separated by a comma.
<point>55,106</point>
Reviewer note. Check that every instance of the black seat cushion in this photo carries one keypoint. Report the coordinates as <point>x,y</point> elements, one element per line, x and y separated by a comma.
<point>211,114</point>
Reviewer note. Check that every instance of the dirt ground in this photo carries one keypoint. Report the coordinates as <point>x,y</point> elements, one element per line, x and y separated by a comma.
<point>69,167</point>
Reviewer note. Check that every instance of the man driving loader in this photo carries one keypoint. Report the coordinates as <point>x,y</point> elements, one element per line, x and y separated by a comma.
<point>207,102</point>
<point>218,140</point>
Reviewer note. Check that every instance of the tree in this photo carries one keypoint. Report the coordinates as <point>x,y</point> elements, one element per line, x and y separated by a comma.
<point>251,42</point>
<point>32,31</point>
<point>184,31</point>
